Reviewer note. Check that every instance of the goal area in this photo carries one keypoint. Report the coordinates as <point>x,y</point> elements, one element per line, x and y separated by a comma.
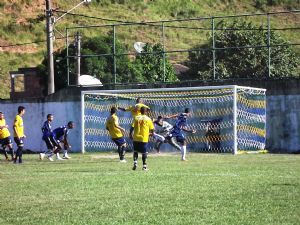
<point>228,119</point>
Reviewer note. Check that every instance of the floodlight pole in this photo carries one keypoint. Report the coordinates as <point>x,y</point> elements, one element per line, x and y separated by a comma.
<point>269,48</point>
<point>213,47</point>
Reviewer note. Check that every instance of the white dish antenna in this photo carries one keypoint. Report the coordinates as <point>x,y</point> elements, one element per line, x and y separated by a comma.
<point>139,46</point>
<point>89,80</point>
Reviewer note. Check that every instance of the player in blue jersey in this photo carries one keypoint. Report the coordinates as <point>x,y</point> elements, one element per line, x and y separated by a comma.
<point>48,138</point>
<point>177,135</point>
<point>60,135</point>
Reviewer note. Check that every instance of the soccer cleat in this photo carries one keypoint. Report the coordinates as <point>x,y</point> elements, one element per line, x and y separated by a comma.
<point>50,159</point>
<point>145,168</point>
<point>66,157</point>
<point>123,161</point>
<point>42,156</point>
<point>59,158</point>
<point>134,167</point>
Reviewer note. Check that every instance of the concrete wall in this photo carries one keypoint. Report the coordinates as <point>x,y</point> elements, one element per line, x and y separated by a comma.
<point>283,111</point>
<point>35,116</point>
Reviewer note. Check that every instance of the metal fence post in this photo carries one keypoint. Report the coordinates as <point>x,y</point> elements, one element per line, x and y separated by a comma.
<point>114,54</point>
<point>269,48</point>
<point>213,46</point>
<point>164,54</point>
<point>68,60</point>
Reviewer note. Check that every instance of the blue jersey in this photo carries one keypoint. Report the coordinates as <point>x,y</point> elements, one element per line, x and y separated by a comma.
<point>46,129</point>
<point>60,132</point>
<point>180,122</point>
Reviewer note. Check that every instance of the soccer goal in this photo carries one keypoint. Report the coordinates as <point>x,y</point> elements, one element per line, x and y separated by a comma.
<point>228,119</point>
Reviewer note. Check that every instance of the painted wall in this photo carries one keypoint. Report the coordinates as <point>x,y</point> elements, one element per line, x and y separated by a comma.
<point>283,123</point>
<point>35,115</point>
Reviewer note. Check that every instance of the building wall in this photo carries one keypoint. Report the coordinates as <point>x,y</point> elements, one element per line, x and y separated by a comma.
<point>35,115</point>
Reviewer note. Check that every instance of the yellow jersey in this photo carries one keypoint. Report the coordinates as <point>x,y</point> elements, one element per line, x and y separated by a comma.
<point>142,125</point>
<point>111,124</point>
<point>136,109</point>
<point>4,132</point>
<point>19,127</point>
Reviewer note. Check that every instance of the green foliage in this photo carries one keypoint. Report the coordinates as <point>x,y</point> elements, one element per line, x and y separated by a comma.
<point>289,4</point>
<point>151,66</point>
<point>243,62</point>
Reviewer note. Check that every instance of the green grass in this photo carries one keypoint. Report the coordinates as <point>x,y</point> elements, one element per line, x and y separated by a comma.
<point>97,189</point>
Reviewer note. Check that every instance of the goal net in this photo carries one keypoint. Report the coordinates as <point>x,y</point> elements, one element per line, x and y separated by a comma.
<point>227,119</point>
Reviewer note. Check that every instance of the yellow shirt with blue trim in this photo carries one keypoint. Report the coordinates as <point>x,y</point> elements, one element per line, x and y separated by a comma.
<point>4,132</point>
<point>19,127</point>
<point>111,124</point>
<point>142,125</point>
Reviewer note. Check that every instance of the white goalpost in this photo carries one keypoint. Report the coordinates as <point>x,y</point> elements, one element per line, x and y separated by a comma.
<point>228,119</point>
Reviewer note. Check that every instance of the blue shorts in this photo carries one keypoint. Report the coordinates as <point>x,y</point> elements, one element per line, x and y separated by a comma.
<point>180,138</point>
<point>140,147</point>
<point>5,141</point>
<point>119,141</point>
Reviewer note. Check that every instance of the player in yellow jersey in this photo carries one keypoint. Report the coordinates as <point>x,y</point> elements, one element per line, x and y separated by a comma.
<point>19,133</point>
<point>135,109</point>
<point>116,132</point>
<point>142,128</point>
<point>5,139</point>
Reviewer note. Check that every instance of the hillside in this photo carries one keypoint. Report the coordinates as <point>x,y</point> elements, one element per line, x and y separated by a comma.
<point>22,21</point>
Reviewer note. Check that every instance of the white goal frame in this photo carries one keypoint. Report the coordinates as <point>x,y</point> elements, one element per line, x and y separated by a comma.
<point>105,92</point>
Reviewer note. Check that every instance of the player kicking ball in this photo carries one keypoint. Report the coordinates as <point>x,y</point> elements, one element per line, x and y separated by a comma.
<point>177,135</point>
<point>142,128</point>
<point>162,130</point>
<point>116,132</point>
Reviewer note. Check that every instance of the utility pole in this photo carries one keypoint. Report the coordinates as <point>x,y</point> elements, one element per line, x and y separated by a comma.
<point>78,46</point>
<point>50,35</point>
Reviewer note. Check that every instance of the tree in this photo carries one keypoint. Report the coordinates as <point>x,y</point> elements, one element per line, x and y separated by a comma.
<point>150,65</point>
<point>242,62</point>
<point>145,68</point>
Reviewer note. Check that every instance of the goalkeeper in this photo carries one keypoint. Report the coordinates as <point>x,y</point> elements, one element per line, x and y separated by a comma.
<point>162,130</point>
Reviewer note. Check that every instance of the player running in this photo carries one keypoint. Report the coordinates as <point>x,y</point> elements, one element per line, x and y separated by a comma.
<point>176,134</point>
<point>19,133</point>
<point>142,127</point>
<point>116,132</point>
<point>5,139</point>
<point>60,135</point>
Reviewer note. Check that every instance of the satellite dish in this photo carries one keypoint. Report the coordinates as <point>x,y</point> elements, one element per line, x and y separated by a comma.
<point>139,46</point>
<point>89,80</point>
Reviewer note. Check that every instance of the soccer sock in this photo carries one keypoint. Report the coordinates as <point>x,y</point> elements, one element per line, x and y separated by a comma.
<point>183,152</point>
<point>158,146</point>
<point>135,157</point>
<point>5,153</point>
<point>11,152</point>
<point>144,158</point>
<point>57,155</point>
<point>65,152</point>
<point>119,151</point>
<point>20,153</point>
<point>122,153</point>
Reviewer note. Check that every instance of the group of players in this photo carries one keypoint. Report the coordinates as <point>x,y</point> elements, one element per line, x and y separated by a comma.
<point>143,127</point>
<point>51,138</point>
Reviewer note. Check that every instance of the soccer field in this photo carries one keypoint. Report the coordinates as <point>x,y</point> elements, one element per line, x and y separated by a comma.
<point>207,189</point>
